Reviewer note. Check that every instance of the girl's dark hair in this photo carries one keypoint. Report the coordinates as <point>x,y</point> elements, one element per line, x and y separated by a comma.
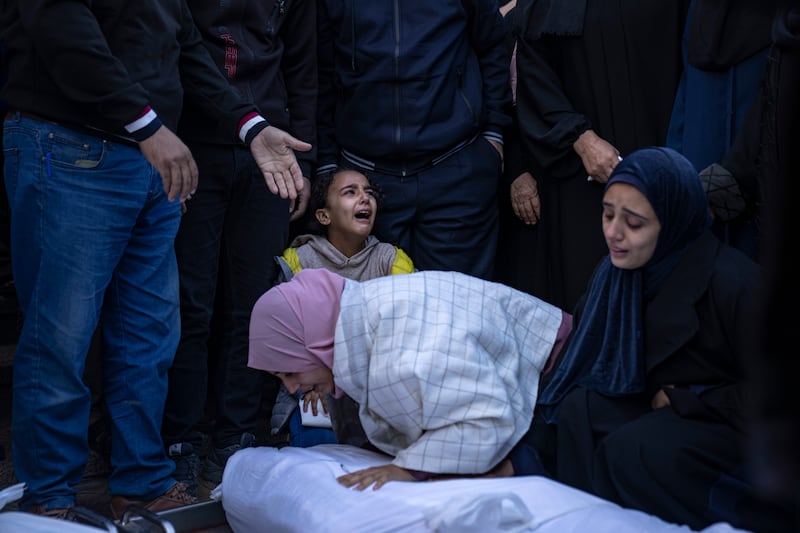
<point>319,195</point>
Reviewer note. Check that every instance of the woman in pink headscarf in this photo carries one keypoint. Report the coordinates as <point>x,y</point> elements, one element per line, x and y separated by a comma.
<point>445,367</point>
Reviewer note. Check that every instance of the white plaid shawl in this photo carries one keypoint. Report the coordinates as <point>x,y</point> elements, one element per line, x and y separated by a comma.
<point>445,366</point>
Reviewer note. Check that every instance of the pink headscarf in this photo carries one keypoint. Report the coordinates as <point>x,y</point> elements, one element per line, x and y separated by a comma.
<point>292,325</point>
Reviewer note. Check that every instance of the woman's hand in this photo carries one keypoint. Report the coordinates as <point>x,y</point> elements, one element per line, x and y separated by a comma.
<point>660,399</point>
<point>599,157</point>
<point>525,198</point>
<point>314,399</point>
<point>379,475</point>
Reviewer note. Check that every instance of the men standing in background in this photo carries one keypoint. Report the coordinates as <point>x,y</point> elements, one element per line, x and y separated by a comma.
<point>234,225</point>
<point>416,94</point>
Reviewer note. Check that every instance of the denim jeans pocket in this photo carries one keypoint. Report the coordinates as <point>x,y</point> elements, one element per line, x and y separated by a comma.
<point>69,149</point>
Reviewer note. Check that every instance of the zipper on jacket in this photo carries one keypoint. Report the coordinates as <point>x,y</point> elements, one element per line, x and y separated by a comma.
<point>397,135</point>
<point>275,20</point>
<point>353,35</point>
<point>460,75</point>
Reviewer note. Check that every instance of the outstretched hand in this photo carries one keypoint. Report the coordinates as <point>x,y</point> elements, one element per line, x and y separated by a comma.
<point>377,475</point>
<point>273,150</point>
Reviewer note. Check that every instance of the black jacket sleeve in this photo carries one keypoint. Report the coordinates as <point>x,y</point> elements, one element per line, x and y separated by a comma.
<point>74,51</point>
<point>488,33</point>
<point>549,123</point>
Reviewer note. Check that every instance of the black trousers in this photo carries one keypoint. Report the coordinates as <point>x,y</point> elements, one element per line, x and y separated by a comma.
<point>445,217</point>
<point>228,238</point>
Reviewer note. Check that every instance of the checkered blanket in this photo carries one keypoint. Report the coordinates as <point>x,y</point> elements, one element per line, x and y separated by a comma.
<point>445,367</point>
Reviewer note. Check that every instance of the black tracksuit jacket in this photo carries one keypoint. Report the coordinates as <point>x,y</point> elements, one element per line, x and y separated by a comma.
<point>100,63</point>
<point>267,50</point>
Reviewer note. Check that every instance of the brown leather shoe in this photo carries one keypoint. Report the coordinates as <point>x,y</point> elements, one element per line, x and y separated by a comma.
<point>62,513</point>
<point>177,496</point>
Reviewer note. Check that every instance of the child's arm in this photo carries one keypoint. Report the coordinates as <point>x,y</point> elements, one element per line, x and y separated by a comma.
<point>402,263</point>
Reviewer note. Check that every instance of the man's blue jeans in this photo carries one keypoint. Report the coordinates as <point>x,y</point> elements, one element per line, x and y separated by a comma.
<point>91,240</point>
